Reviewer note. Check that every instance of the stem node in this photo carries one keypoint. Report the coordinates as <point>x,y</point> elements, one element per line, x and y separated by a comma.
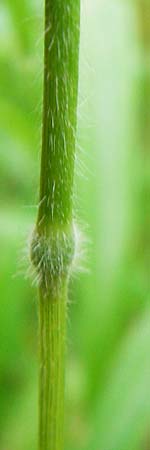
<point>52,256</point>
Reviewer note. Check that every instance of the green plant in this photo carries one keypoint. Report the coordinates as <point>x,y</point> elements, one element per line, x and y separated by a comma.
<point>108,362</point>
<point>53,242</point>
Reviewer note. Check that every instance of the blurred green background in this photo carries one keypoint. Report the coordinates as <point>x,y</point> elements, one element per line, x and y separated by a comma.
<point>108,361</point>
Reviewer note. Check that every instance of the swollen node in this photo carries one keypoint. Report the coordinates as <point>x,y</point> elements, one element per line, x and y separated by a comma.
<point>52,257</point>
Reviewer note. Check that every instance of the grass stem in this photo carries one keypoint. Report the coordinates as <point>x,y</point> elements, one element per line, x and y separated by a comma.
<point>52,246</point>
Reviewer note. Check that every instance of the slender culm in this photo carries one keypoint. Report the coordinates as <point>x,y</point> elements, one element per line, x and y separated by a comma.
<point>52,246</point>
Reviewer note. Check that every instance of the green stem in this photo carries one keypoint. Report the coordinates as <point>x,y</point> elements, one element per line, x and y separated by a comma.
<point>143,14</point>
<point>52,246</point>
<point>59,114</point>
<point>144,38</point>
<point>52,362</point>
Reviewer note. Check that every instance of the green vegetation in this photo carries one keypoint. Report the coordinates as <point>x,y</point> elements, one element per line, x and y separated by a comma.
<point>53,241</point>
<point>108,362</point>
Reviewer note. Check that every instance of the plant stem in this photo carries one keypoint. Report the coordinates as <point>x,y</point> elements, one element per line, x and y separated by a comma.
<point>142,241</point>
<point>52,350</point>
<point>144,38</point>
<point>59,114</point>
<point>52,246</point>
<point>143,15</point>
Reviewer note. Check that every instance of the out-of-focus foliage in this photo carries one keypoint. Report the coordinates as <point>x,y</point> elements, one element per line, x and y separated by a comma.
<point>108,364</point>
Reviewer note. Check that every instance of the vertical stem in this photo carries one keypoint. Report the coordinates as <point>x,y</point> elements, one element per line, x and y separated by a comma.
<point>143,10</point>
<point>144,39</point>
<point>59,112</point>
<point>143,16</point>
<point>52,365</point>
<point>52,246</point>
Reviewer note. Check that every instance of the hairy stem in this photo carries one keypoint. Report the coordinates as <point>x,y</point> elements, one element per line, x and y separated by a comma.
<point>52,246</point>
<point>59,114</point>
